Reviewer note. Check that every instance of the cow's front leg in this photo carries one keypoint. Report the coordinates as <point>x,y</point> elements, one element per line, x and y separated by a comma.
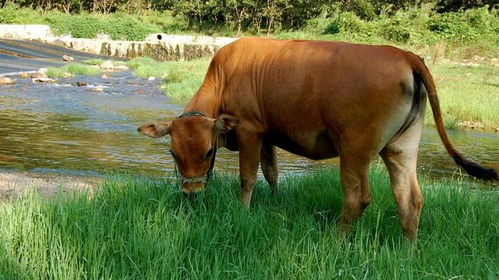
<point>249,156</point>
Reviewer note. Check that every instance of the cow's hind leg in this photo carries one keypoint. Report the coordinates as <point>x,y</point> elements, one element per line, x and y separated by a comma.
<point>356,196</point>
<point>268,160</point>
<point>400,157</point>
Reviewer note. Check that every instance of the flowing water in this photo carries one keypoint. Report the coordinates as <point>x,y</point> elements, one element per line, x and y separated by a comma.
<point>69,129</point>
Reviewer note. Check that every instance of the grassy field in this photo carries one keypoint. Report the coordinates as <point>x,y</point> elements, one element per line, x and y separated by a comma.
<point>467,95</point>
<point>142,229</point>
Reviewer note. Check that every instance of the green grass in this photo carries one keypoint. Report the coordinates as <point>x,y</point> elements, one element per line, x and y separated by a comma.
<point>466,93</point>
<point>147,67</point>
<point>73,69</point>
<point>181,78</point>
<point>95,61</point>
<point>143,229</point>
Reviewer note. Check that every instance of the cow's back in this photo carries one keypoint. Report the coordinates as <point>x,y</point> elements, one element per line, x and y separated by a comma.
<point>304,93</point>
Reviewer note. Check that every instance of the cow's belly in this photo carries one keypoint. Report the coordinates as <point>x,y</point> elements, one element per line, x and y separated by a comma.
<point>316,146</point>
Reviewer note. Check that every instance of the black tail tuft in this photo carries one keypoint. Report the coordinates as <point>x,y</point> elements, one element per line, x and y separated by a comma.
<point>474,169</point>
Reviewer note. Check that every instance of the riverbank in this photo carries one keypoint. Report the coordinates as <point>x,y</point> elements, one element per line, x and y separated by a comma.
<point>132,228</point>
<point>47,185</point>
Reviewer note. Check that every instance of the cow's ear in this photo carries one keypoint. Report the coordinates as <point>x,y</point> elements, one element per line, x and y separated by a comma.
<point>225,123</point>
<point>155,129</point>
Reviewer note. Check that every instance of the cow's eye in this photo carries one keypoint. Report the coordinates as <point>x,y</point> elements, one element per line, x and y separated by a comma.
<point>208,154</point>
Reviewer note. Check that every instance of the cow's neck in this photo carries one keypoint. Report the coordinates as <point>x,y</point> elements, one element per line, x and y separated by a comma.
<point>205,101</point>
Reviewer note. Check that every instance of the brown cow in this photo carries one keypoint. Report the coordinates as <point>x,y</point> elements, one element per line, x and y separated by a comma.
<point>316,99</point>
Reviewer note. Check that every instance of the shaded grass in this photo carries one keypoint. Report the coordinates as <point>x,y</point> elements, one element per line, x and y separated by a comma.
<point>73,69</point>
<point>142,229</point>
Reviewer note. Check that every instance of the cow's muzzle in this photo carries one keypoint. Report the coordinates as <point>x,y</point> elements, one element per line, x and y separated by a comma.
<point>194,184</point>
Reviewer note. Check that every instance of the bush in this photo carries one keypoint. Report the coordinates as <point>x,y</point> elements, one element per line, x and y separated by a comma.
<point>167,21</point>
<point>457,5</point>
<point>468,26</point>
<point>12,13</point>
<point>117,26</point>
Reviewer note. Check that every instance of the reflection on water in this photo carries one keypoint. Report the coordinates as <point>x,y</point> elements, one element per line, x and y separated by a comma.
<point>69,129</point>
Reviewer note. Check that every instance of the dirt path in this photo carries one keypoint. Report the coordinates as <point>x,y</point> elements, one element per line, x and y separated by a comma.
<point>13,184</point>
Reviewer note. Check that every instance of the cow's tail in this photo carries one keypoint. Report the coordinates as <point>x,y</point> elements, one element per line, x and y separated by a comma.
<point>470,167</point>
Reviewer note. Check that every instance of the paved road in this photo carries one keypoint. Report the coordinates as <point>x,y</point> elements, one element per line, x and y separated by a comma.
<point>20,55</point>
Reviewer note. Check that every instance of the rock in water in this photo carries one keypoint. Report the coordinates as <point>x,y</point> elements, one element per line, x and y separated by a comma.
<point>38,75</point>
<point>67,58</point>
<point>121,68</point>
<point>43,80</point>
<point>97,89</point>
<point>107,65</point>
<point>6,81</point>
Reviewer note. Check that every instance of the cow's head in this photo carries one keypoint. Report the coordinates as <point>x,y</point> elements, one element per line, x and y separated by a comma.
<point>193,144</point>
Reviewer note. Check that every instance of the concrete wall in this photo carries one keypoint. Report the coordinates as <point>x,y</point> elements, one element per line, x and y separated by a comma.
<point>18,31</point>
<point>158,46</point>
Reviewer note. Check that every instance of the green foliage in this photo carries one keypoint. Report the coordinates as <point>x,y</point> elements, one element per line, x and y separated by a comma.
<point>166,20</point>
<point>12,13</point>
<point>118,27</point>
<point>468,26</point>
<point>457,5</point>
<point>143,229</point>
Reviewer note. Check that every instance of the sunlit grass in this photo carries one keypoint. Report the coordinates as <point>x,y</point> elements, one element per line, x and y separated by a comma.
<point>142,229</point>
<point>467,93</point>
<point>73,69</point>
<point>181,78</point>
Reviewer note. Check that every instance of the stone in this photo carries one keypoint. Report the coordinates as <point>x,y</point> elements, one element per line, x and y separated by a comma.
<point>24,75</point>
<point>81,84</point>
<point>6,81</point>
<point>121,67</point>
<point>43,70</point>
<point>67,58</point>
<point>103,36</point>
<point>97,89</point>
<point>107,65</point>
<point>104,76</point>
<point>43,80</point>
<point>38,75</point>
<point>67,75</point>
<point>151,79</point>
<point>139,91</point>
